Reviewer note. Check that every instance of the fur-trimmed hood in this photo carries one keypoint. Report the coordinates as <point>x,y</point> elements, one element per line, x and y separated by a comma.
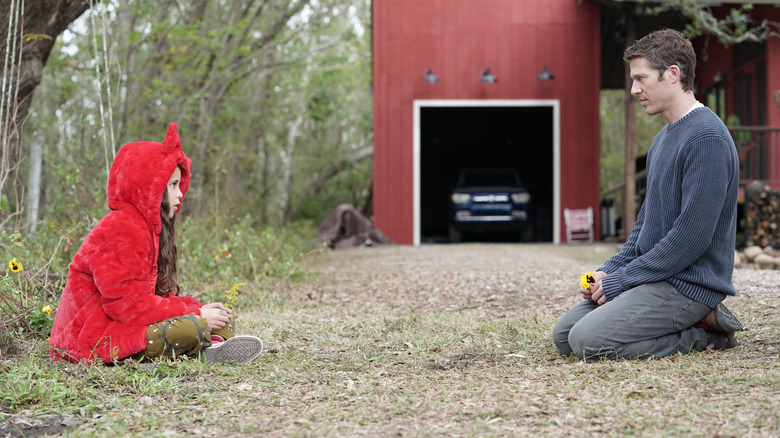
<point>141,171</point>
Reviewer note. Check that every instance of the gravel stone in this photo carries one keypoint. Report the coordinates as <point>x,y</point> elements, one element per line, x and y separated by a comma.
<point>488,279</point>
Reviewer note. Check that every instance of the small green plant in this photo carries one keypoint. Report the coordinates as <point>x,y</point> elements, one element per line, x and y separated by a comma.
<point>41,320</point>
<point>27,290</point>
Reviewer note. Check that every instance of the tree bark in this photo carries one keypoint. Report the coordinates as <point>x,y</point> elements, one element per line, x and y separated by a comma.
<point>34,181</point>
<point>292,139</point>
<point>25,45</point>
<point>260,146</point>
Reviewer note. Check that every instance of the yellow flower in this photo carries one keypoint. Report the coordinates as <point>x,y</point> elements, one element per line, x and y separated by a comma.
<point>587,279</point>
<point>46,310</point>
<point>231,295</point>
<point>15,266</point>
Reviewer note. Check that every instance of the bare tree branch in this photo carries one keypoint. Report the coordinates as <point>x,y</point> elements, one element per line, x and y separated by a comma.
<point>366,151</point>
<point>735,28</point>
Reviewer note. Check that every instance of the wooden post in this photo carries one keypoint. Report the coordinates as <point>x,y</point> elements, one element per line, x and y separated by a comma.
<point>629,193</point>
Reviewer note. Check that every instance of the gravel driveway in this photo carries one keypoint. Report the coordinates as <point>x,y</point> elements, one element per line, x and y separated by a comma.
<point>496,280</point>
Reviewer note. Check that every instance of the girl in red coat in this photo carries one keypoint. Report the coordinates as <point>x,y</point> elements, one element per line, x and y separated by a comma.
<point>122,298</point>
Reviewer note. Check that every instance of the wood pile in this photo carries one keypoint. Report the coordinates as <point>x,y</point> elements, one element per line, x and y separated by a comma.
<point>762,213</point>
<point>757,257</point>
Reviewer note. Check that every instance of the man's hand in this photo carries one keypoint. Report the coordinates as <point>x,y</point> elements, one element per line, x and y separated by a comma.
<point>595,293</point>
<point>216,315</point>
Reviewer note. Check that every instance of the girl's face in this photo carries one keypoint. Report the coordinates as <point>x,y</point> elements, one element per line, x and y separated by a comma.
<point>173,192</point>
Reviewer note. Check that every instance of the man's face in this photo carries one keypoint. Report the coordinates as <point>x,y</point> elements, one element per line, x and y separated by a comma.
<point>654,94</point>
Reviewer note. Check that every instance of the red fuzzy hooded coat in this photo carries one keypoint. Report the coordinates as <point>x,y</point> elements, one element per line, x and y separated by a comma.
<point>109,298</point>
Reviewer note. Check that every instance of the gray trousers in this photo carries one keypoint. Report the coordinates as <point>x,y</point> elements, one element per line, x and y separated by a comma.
<point>649,321</point>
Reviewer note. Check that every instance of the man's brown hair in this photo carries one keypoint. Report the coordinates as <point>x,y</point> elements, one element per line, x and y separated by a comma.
<point>664,48</point>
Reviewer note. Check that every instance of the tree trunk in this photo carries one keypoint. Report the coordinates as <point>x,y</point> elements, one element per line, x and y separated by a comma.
<point>25,45</point>
<point>293,134</point>
<point>34,181</point>
<point>260,146</point>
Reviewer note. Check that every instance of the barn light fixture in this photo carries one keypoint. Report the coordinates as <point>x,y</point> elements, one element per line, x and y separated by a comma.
<point>430,77</point>
<point>545,75</point>
<point>488,77</point>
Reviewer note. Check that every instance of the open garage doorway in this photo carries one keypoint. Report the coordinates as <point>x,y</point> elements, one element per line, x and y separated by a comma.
<point>450,135</point>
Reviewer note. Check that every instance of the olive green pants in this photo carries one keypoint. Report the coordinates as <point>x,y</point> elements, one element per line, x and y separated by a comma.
<point>180,336</point>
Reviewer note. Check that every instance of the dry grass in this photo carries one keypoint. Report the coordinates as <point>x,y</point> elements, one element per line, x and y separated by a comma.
<point>429,341</point>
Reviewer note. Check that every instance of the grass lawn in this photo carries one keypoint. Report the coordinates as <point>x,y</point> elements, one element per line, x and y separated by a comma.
<point>349,353</point>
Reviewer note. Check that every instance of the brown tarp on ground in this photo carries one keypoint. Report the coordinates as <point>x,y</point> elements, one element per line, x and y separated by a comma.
<point>345,227</point>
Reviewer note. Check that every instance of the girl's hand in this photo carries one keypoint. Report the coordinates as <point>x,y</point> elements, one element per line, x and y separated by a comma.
<point>216,315</point>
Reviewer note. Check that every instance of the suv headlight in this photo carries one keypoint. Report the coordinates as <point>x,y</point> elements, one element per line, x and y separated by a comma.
<point>521,198</point>
<point>461,198</point>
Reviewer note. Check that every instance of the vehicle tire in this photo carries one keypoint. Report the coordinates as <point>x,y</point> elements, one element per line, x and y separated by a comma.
<point>527,234</point>
<point>455,235</point>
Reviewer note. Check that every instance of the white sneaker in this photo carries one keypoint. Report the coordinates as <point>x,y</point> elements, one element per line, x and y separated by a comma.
<point>239,349</point>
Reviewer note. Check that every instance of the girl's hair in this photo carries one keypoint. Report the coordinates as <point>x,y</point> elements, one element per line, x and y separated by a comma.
<point>166,259</point>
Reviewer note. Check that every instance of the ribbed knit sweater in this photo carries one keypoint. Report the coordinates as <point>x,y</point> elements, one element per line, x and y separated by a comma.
<point>686,229</point>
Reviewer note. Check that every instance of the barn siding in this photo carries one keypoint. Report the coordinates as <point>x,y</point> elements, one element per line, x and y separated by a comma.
<point>459,39</point>
<point>773,73</point>
<point>773,85</point>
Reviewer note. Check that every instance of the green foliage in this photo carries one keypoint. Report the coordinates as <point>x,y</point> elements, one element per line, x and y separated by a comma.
<point>229,74</point>
<point>613,134</point>
<point>28,294</point>
<point>35,37</point>
<point>211,259</point>
<point>40,320</point>
<point>34,385</point>
<point>742,137</point>
<point>47,387</point>
<point>733,27</point>
<point>349,187</point>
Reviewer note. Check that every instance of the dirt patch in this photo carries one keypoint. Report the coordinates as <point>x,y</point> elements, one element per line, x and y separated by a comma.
<point>23,426</point>
<point>9,345</point>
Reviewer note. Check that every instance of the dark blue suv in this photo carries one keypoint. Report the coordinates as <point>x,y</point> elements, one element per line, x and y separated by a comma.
<point>490,199</point>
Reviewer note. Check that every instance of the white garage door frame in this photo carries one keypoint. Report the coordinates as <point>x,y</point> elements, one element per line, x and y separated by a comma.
<point>555,104</point>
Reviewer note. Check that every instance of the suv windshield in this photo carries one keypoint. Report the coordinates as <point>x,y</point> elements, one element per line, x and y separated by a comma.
<point>489,178</point>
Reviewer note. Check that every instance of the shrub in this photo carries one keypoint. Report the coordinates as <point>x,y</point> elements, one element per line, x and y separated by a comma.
<point>211,260</point>
<point>28,291</point>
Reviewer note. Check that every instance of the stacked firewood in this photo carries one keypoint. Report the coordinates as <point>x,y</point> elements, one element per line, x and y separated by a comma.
<point>762,214</point>
<point>757,257</point>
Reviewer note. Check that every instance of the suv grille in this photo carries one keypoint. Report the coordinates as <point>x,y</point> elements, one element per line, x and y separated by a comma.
<point>489,199</point>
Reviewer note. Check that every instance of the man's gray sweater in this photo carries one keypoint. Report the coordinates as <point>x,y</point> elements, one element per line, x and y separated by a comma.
<point>686,229</point>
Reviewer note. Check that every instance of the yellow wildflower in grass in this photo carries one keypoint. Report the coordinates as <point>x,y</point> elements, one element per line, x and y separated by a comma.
<point>231,295</point>
<point>587,279</point>
<point>14,265</point>
<point>46,310</point>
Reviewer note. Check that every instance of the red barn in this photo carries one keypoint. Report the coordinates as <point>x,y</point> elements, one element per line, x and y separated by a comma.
<point>461,83</point>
